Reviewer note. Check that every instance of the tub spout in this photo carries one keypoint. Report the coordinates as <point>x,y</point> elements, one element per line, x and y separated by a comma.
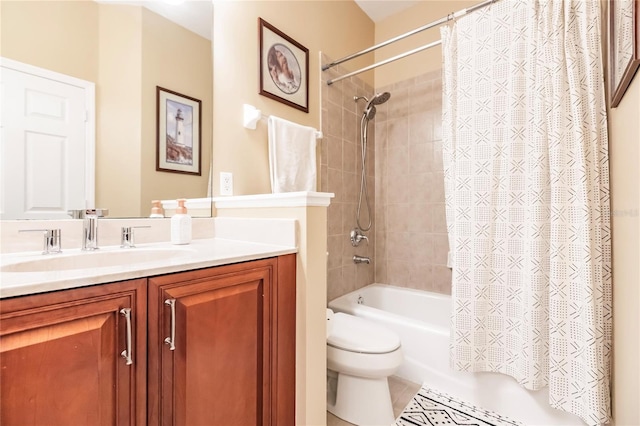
<point>361,259</point>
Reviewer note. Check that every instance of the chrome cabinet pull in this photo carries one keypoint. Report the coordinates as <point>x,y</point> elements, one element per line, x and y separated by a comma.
<point>126,354</point>
<point>171,340</point>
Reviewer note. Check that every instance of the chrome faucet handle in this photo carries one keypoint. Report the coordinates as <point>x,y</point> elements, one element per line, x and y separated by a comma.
<point>83,213</point>
<point>96,212</point>
<point>52,240</point>
<point>126,236</point>
<point>357,236</point>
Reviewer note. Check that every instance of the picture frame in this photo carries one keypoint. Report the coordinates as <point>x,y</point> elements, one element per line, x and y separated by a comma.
<point>284,67</point>
<point>624,46</point>
<point>179,132</point>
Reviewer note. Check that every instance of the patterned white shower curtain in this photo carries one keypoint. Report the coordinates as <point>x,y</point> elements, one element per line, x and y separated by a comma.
<point>527,193</point>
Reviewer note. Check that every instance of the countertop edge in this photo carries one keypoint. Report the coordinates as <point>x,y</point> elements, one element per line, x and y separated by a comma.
<point>48,282</point>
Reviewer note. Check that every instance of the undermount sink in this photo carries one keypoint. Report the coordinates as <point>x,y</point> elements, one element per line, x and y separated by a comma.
<point>95,259</point>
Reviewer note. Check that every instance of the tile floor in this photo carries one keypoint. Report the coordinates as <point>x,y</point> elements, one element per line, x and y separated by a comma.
<point>401,393</point>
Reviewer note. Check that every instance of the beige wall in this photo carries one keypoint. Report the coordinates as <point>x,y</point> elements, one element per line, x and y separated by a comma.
<point>624,152</point>
<point>336,28</point>
<point>118,128</point>
<point>59,36</point>
<point>624,172</point>
<point>179,60</point>
<point>417,16</point>
<point>311,280</point>
<point>126,51</point>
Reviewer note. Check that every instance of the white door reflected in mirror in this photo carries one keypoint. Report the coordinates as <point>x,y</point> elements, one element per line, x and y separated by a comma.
<point>48,142</point>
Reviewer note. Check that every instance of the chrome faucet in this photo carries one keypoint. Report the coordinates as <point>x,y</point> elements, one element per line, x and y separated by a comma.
<point>361,259</point>
<point>357,236</point>
<point>126,236</point>
<point>52,240</point>
<point>90,228</point>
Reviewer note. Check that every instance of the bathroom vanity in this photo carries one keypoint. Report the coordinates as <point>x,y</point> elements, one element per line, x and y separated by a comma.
<point>212,342</point>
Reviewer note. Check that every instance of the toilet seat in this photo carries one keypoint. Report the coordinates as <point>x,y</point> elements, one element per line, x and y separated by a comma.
<point>355,334</point>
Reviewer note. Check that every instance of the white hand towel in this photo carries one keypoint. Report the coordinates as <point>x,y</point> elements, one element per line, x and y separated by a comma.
<point>292,156</point>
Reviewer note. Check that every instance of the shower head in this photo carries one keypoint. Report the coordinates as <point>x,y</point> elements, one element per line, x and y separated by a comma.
<point>370,112</point>
<point>378,99</point>
<point>370,108</point>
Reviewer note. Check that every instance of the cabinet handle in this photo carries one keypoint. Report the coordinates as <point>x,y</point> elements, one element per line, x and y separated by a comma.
<point>126,354</point>
<point>171,340</point>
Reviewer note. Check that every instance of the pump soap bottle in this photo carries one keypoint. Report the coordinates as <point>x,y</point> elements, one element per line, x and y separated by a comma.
<point>156,210</point>
<point>181,225</point>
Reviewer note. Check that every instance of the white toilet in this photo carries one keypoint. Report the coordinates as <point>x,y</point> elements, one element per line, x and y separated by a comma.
<point>360,357</point>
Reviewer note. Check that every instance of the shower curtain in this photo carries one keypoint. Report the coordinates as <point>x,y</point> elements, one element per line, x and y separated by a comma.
<point>527,198</point>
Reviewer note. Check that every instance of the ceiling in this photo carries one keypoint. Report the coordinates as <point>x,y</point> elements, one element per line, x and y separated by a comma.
<point>195,15</point>
<point>378,10</point>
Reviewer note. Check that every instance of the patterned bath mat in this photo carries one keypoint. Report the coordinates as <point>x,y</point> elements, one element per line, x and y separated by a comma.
<point>430,407</point>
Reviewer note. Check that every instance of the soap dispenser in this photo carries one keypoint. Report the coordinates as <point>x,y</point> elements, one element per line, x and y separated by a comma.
<point>181,225</point>
<point>156,209</point>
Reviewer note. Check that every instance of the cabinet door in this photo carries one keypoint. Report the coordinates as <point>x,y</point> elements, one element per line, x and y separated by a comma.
<point>61,359</point>
<point>220,370</point>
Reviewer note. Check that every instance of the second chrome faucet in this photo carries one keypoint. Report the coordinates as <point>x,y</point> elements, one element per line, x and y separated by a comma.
<point>90,228</point>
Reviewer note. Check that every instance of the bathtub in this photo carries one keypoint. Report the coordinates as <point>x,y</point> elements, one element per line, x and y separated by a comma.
<point>421,319</point>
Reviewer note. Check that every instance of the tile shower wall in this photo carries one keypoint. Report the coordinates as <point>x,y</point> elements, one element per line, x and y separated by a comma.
<point>408,242</point>
<point>340,167</point>
<point>411,233</point>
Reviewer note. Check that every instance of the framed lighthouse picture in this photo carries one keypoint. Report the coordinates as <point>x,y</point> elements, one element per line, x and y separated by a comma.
<point>178,127</point>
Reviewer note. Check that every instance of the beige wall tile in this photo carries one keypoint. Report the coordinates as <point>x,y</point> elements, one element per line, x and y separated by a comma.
<point>442,279</point>
<point>411,193</point>
<point>420,127</point>
<point>335,90</point>
<point>334,219</point>
<point>334,152</point>
<point>335,184</point>
<point>398,161</point>
<point>420,158</point>
<point>397,132</point>
<point>399,102</point>
<point>439,218</point>
<point>408,244</point>
<point>334,247</point>
<point>350,154</point>
<point>350,126</point>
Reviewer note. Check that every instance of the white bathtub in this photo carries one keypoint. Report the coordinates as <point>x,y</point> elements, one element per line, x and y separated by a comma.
<point>421,319</point>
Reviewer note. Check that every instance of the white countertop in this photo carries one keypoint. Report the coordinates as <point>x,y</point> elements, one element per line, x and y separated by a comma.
<point>201,253</point>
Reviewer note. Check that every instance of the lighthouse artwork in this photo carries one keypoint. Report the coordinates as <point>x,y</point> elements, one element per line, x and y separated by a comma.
<point>178,133</point>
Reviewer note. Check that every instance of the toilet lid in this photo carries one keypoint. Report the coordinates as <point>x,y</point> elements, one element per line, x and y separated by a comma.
<point>358,335</point>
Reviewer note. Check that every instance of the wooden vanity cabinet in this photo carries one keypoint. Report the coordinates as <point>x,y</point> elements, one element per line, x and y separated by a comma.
<point>233,328</point>
<point>222,345</point>
<point>61,357</point>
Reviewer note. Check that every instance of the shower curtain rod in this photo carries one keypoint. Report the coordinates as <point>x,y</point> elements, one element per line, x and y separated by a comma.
<point>440,21</point>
